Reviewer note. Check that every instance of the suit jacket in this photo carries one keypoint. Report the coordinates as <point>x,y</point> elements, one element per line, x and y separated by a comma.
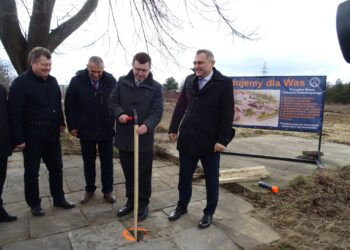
<point>86,109</point>
<point>35,108</point>
<point>204,117</point>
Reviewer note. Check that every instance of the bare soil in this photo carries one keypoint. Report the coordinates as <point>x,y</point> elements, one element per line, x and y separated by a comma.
<point>312,213</point>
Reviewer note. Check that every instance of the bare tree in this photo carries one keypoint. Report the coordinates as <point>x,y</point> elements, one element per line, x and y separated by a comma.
<point>154,23</point>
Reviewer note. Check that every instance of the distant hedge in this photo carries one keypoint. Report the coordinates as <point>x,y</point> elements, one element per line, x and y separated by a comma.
<point>338,93</point>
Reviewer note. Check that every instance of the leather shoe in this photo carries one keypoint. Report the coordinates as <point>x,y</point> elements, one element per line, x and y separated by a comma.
<point>5,217</point>
<point>124,210</point>
<point>176,213</point>
<point>205,221</point>
<point>142,213</point>
<point>109,197</point>
<point>37,211</point>
<point>86,197</point>
<point>64,204</point>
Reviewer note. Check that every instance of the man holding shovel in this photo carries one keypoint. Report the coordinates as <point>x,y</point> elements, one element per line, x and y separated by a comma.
<point>140,92</point>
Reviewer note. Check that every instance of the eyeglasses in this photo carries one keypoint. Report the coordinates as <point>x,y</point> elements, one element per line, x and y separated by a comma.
<point>142,70</point>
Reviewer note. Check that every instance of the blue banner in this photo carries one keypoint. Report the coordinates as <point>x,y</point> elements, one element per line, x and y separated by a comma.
<point>293,103</point>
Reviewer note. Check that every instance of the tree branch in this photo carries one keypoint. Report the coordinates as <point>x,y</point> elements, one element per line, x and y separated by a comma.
<point>58,35</point>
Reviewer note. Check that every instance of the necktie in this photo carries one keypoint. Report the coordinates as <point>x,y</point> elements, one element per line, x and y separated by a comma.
<point>138,82</point>
<point>95,84</point>
<point>201,83</point>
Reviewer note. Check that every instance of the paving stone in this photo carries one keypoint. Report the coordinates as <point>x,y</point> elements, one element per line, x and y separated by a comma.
<point>246,231</point>
<point>95,226</point>
<point>205,239</point>
<point>107,236</point>
<point>14,231</point>
<point>61,221</point>
<point>157,225</point>
<point>99,214</point>
<point>230,204</point>
<point>159,184</point>
<point>20,209</point>
<point>192,217</point>
<point>52,242</point>
<point>162,199</point>
<point>74,177</point>
<point>153,244</point>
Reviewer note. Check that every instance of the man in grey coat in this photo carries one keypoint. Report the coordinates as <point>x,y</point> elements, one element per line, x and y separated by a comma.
<point>137,90</point>
<point>5,150</point>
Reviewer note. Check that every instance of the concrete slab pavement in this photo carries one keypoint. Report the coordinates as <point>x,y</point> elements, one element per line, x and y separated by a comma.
<point>95,226</point>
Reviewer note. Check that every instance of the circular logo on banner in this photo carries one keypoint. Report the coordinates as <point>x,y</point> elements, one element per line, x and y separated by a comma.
<point>315,82</point>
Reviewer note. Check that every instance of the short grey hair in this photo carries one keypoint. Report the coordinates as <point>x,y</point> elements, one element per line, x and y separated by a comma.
<point>208,53</point>
<point>37,52</point>
<point>96,60</point>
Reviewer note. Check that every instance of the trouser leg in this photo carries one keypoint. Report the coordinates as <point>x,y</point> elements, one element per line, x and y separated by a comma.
<point>88,152</point>
<point>3,170</point>
<point>52,157</point>
<point>127,163</point>
<point>211,165</point>
<point>188,164</point>
<point>106,158</point>
<point>32,155</point>
<point>145,177</point>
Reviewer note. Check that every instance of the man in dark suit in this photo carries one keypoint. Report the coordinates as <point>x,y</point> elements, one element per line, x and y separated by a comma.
<point>205,112</point>
<point>36,120</point>
<point>5,150</point>
<point>88,119</point>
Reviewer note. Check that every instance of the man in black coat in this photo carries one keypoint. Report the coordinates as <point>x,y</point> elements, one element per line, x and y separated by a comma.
<point>137,90</point>
<point>36,120</point>
<point>205,112</point>
<point>89,120</point>
<point>5,150</point>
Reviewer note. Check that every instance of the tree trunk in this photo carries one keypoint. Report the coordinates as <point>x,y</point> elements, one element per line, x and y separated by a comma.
<point>11,36</point>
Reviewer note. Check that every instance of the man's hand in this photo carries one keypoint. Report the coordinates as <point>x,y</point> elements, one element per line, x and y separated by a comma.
<point>62,129</point>
<point>172,137</point>
<point>21,146</point>
<point>74,132</point>
<point>123,118</point>
<point>219,147</point>
<point>142,129</point>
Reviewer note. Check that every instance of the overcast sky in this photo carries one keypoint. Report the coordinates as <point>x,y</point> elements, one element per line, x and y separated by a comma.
<point>296,37</point>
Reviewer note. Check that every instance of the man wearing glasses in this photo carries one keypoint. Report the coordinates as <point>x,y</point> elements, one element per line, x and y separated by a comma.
<point>137,91</point>
<point>88,119</point>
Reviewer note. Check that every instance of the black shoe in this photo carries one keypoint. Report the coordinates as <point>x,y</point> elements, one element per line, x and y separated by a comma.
<point>124,210</point>
<point>37,211</point>
<point>64,204</point>
<point>5,217</point>
<point>142,213</point>
<point>176,213</point>
<point>205,221</point>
